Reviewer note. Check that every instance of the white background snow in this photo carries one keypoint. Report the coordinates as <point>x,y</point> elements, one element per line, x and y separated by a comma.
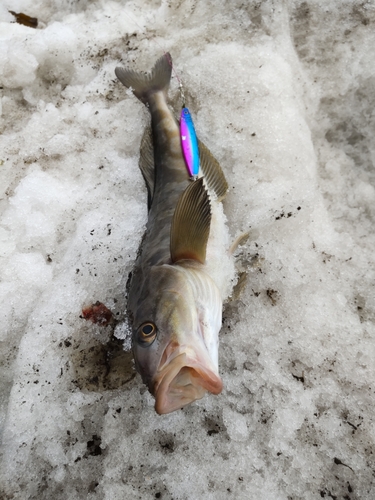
<point>283,93</point>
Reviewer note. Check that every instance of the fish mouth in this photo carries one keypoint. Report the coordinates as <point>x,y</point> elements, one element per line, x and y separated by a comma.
<point>184,378</point>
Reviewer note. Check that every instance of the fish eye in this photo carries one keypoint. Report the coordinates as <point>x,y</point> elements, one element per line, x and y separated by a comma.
<point>146,333</point>
<point>186,112</point>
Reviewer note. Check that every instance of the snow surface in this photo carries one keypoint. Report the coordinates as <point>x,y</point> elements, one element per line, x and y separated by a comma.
<point>283,93</point>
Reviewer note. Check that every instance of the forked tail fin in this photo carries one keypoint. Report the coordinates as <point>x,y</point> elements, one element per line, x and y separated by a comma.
<point>145,84</point>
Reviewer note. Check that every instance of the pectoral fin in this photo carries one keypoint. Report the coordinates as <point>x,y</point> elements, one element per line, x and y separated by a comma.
<point>191,224</point>
<point>240,240</point>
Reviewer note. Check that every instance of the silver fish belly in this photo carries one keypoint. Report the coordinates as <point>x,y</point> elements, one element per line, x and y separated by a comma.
<point>174,303</point>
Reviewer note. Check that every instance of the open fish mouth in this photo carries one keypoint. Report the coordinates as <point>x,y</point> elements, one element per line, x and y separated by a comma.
<point>182,380</point>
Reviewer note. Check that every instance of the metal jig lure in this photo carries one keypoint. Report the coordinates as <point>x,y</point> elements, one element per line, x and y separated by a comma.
<point>189,143</point>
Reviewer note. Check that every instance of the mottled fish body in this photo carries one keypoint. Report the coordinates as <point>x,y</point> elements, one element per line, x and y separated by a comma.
<point>174,298</point>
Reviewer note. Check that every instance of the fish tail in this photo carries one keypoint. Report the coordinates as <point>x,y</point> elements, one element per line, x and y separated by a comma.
<point>143,85</point>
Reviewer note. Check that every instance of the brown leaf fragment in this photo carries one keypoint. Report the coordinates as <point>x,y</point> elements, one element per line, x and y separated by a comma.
<point>31,22</point>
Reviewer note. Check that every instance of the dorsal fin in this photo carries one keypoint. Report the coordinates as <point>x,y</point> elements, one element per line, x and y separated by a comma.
<point>191,224</point>
<point>146,162</point>
<point>213,174</point>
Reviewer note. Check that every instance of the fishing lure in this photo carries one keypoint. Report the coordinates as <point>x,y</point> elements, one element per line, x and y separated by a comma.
<point>189,142</point>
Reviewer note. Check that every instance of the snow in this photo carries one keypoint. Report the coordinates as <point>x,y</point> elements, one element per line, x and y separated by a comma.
<point>283,95</point>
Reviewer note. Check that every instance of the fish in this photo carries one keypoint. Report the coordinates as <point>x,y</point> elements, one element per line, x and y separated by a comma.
<point>175,297</point>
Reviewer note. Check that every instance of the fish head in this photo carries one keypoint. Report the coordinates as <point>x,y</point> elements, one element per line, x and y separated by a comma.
<point>175,340</point>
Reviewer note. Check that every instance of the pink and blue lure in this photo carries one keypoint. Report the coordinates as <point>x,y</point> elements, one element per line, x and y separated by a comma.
<point>189,143</point>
